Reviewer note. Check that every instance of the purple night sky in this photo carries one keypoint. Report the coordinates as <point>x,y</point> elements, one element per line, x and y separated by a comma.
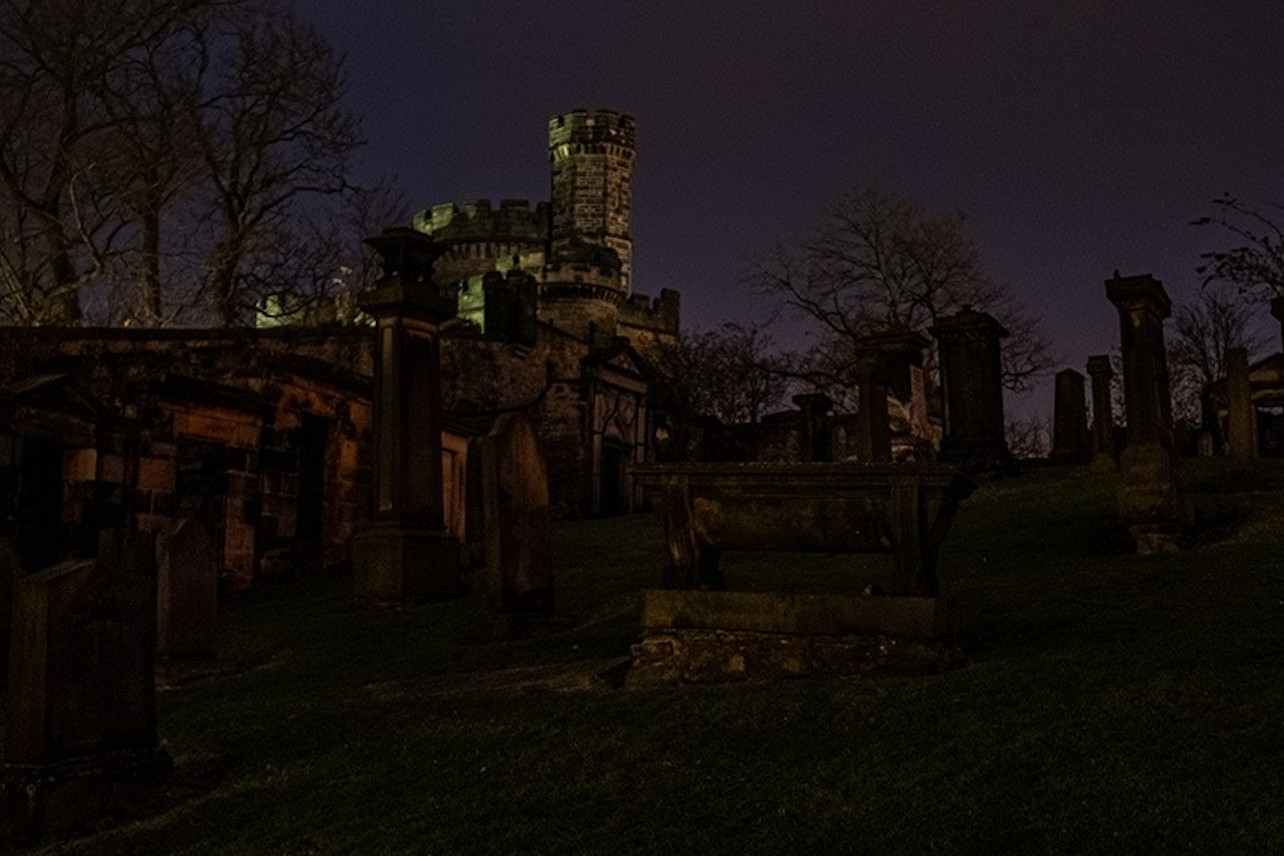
<point>1078,136</point>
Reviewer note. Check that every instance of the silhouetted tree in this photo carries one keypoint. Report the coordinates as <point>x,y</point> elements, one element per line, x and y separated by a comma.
<point>1203,331</point>
<point>179,153</point>
<point>730,372</point>
<point>878,262</point>
<point>1256,266</point>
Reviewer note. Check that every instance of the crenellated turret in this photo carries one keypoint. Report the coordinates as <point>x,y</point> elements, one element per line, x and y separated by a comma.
<point>591,157</point>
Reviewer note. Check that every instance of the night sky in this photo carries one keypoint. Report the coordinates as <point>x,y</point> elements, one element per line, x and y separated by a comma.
<point>1077,136</point>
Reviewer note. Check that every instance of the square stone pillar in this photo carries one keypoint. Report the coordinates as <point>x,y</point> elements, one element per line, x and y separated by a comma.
<point>406,554</point>
<point>1070,420</point>
<point>816,442</point>
<point>972,388</point>
<point>1103,417</point>
<point>1241,415</point>
<point>1149,494</point>
<point>873,429</point>
<point>884,364</point>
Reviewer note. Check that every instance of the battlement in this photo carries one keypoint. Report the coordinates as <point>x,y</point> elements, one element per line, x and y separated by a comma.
<point>661,314</point>
<point>478,220</point>
<point>580,127</point>
<point>580,273</point>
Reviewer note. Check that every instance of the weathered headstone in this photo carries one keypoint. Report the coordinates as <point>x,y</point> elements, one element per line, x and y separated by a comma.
<point>1070,420</point>
<point>1150,501</point>
<point>519,567</point>
<point>1103,420</point>
<point>1241,415</point>
<point>972,388</point>
<point>80,712</point>
<point>186,591</point>
<point>406,553</point>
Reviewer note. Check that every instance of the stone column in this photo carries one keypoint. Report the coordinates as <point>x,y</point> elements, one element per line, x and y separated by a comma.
<point>1070,420</point>
<point>1103,417</point>
<point>816,444</point>
<point>873,431</point>
<point>885,363</point>
<point>406,553</point>
<point>1241,415</point>
<point>972,388</point>
<point>1149,495</point>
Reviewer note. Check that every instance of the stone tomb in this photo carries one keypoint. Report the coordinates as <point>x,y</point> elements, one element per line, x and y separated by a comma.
<point>710,635</point>
<point>187,592</point>
<point>80,716</point>
<point>518,580</point>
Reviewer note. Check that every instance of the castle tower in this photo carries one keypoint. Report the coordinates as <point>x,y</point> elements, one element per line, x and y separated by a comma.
<point>591,157</point>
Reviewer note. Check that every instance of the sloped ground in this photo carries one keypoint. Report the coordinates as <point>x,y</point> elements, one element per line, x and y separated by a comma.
<point>1111,705</point>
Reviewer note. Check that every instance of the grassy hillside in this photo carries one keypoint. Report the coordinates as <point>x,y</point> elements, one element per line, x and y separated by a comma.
<point>1111,704</point>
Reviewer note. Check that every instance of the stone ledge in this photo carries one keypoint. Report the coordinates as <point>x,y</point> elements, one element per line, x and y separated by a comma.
<point>725,656</point>
<point>691,637</point>
<point>800,614</point>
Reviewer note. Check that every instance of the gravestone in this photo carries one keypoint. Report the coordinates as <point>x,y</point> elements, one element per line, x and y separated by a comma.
<point>10,571</point>
<point>1070,420</point>
<point>972,389</point>
<point>406,553</point>
<point>186,591</point>
<point>80,713</point>
<point>1241,415</point>
<point>1103,419</point>
<point>1150,501</point>
<point>519,567</point>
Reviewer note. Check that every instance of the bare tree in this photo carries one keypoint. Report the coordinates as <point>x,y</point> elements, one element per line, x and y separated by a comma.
<point>878,262</point>
<point>730,372</point>
<point>275,138</point>
<point>61,64</point>
<point>1256,266</point>
<point>1203,332</point>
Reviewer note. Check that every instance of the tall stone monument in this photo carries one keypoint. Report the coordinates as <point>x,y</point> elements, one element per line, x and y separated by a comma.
<point>1069,420</point>
<point>972,388</point>
<point>1149,496</point>
<point>406,553</point>
<point>1103,418</point>
<point>1241,415</point>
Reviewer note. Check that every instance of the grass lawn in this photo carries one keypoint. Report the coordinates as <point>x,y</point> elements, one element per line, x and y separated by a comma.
<point>1111,704</point>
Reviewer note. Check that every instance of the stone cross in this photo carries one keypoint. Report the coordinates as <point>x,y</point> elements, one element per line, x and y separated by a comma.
<point>972,388</point>
<point>1241,415</point>
<point>406,553</point>
<point>1070,420</point>
<point>1149,494</point>
<point>1103,418</point>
